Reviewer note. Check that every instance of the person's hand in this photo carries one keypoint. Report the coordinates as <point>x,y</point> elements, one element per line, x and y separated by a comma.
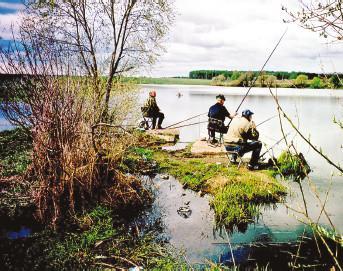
<point>234,114</point>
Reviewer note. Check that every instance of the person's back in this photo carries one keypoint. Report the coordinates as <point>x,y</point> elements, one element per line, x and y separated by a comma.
<point>238,130</point>
<point>151,110</point>
<point>150,107</point>
<point>217,114</point>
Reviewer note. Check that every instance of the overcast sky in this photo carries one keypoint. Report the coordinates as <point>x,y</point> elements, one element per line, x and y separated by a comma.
<point>231,35</point>
<point>239,35</point>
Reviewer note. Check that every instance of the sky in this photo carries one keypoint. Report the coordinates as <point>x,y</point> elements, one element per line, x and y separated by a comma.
<point>229,35</point>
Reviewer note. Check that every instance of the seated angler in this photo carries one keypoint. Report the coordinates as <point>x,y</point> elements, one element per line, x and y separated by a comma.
<point>243,134</point>
<point>217,114</point>
<point>151,110</point>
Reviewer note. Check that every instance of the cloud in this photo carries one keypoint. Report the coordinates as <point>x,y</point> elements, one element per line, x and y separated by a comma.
<point>239,35</point>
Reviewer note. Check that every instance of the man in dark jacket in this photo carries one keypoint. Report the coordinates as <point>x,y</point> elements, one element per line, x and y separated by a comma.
<point>151,110</point>
<point>217,114</point>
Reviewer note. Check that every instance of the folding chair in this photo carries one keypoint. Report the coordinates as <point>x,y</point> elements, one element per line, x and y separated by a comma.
<point>233,149</point>
<point>216,126</point>
<point>146,123</point>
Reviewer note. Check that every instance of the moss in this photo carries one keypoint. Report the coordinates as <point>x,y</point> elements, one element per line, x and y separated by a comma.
<point>98,241</point>
<point>293,165</point>
<point>15,152</point>
<point>237,193</point>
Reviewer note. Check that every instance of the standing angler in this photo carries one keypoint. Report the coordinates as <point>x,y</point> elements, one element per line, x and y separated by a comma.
<point>216,117</point>
<point>151,110</point>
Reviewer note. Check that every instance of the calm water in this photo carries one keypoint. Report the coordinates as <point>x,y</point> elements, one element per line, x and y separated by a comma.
<point>313,111</point>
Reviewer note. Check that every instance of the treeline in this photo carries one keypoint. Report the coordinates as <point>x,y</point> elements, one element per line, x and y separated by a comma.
<point>233,75</point>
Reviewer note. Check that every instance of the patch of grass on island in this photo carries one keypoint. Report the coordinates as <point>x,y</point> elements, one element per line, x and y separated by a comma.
<point>237,193</point>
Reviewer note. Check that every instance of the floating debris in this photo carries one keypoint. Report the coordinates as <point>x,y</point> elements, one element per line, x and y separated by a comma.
<point>165,177</point>
<point>184,211</point>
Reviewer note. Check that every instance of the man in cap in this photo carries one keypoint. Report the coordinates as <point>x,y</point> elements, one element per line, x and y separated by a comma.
<point>243,134</point>
<point>217,114</point>
<point>151,110</point>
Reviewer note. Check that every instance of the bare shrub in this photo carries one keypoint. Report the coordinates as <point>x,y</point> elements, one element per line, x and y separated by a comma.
<point>54,105</point>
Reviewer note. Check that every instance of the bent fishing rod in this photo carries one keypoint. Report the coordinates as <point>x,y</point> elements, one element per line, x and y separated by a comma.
<point>259,73</point>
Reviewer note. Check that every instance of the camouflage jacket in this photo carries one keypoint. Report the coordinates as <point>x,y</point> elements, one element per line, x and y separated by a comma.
<point>150,107</point>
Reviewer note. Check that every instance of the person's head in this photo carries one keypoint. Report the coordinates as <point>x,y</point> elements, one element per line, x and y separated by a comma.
<point>247,114</point>
<point>220,99</point>
<point>152,93</point>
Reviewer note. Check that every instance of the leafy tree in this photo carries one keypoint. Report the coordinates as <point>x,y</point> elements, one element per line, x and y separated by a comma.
<point>219,78</point>
<point>301,80</point>
<point>245,79</point>
<point>262,79</point>
<point>316,83</point>
<point>104,37</point>
<point>235,75</point>
<point>271,80</point>
<point>334,81</point>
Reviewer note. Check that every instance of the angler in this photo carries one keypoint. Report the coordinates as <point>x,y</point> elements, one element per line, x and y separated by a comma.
<point>216,117</point>
<point>243,136</point>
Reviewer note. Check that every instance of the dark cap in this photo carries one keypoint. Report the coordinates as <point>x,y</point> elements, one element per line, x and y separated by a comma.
<point>247,113</point>
<point>220,96</point>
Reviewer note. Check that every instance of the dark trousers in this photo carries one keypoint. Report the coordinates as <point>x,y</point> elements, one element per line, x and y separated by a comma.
<point>254,146</point>
<point>155,116</point>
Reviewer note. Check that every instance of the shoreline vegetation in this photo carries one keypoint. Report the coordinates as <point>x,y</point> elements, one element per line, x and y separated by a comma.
<point>247,79</point>
<point>100,235</point>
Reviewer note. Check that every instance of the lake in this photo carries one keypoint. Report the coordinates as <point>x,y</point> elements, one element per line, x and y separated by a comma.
<point>313,112</point>
<point>276,229</point>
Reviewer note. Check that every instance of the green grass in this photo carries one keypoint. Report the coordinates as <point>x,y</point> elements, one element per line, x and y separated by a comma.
<point>293,165</point>
<point>237,193</point>
<point>15,152</point>
<point>168,81</point>
<point>98,241</point>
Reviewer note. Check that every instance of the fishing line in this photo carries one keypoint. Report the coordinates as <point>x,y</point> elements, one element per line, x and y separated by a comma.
<point>259,73</point>
<point>277,143</point>
<point>185,120</point>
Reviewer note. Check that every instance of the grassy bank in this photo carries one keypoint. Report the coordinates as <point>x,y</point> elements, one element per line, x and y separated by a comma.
<point>286,83</point>
<point>237,193</point>
<point>168,81</point>
<point>98,241</point>
<point>15,148</point>
<point>99,238</point>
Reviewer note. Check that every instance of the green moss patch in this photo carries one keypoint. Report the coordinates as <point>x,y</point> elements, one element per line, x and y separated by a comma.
<point>15,152</point>
<point>293,165</point>
<point>97,242</point>
<point>237,193</point>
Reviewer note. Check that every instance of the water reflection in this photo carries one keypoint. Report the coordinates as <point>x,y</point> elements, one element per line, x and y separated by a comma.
<point>277,229</point>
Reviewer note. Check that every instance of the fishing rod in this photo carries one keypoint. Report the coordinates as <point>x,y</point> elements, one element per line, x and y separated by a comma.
<point>277,143</point>
<point>194,123</point>
<point>185,120</point>
<point>266,120</point>
<point>260,72</point>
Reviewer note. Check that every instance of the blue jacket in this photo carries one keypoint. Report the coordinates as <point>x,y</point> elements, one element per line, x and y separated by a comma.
<point>218,111</point>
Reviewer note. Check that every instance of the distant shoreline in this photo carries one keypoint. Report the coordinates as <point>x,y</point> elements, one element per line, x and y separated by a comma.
<point>207,82</point>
